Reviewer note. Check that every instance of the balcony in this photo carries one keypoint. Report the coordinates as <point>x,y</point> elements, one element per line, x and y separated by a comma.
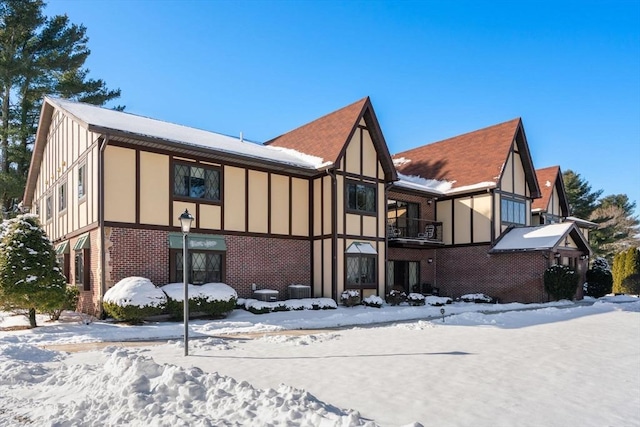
<point>407,232</point>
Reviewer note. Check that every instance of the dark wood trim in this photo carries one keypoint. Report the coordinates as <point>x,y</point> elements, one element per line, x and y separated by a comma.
<point>269,215</point>
<point>222,192</point>
<point>453,222</point>
<point>201,231</point>
<point>278,168</point>
<point>290,206</point>
<point>494,222</point>
<point>246,199</point>
<point>366,179</point>
<point>322,261</point>
<point>310,233</point>
<point>172,177</point>
<point>360,238</point>
<point>471,218</point>
<point>137,172</point>
<point>361,142</point>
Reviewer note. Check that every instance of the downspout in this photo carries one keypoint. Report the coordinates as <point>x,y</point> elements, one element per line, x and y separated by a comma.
<point>334,234</point>
<point>387,187</point>
<point>103,269</point>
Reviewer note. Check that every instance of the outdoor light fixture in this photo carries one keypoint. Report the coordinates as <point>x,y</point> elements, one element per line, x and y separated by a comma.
<point>185,224</point>
<point>430,260</point>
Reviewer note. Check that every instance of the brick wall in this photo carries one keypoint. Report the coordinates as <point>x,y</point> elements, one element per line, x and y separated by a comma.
<point>509,276</point>
<point>427,210</point>
<point>266,261</point>
<point>88,301</point>
<point>427,270</point>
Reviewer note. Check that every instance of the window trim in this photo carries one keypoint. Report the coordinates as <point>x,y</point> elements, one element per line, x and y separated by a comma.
<point>82,179</point>
<point>190,165</point>
<point>514,202</point>
<point>356,211</point>
<point>63,196</point>
<point>173,265</point>
<point>360,285</point>
<point>84,277</point>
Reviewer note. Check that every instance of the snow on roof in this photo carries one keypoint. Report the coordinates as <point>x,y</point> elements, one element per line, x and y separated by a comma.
<point>581,221</point>
<point>533,238</point>
<point>145,126</point>
<point>437,186</point>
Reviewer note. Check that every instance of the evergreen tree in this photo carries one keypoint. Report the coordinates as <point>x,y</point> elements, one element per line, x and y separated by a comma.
<point>30,278</point>
<point>617,227</point>
<point>599,279</point>
<point>618,271</point>
<point>582,200</point>
<point>38,56</point>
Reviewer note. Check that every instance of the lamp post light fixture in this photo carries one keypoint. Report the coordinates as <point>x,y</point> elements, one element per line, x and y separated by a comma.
<point>185,224</point>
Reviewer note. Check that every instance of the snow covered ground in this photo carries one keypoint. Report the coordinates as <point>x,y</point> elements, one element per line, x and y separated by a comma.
<point>556,364</point>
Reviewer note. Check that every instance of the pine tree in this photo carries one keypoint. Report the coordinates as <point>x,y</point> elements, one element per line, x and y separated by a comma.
<point>618,271</point>
<point>38,56</point>
<point>599,279</point>
<point>582,200</point>
<point>30,278</point>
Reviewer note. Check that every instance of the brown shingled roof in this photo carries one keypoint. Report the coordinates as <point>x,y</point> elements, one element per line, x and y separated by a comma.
<point>553,175</point>
<point>327,136</point>
<point>467,159</point>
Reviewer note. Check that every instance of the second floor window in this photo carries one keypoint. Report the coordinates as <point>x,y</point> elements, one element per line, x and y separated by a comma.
<point>361,197</point>
<point>196,182</point>
<point>81,181</point>
<point>513,211</point>
<point>62,192</point>
<point>48,204</point>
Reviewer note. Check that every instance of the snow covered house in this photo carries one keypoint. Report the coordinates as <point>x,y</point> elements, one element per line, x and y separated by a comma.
<point>471,199</point>
<point>324,205</point>
<point>306,208</point>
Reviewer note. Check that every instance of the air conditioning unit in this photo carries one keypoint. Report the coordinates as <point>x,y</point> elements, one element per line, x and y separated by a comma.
<point>299,291</point>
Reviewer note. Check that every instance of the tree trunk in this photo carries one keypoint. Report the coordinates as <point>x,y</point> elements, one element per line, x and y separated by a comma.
<point>32,318</point>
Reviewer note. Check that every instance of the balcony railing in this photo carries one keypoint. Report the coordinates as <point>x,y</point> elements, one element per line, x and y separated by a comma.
<point>418,230</point>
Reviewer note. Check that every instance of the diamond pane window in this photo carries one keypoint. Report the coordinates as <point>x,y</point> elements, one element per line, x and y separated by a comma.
<point>361,197</point>
<point>204,267</point>
<point>196,182</point>
<point>361,271</point>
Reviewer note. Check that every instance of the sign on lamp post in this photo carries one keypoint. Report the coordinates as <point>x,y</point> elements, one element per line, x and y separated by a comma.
<point>185,224</point>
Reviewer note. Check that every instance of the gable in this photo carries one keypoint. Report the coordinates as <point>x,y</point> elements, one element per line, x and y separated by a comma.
<point>329,136</point>
<point>553,197</point>
<point>473,159</point>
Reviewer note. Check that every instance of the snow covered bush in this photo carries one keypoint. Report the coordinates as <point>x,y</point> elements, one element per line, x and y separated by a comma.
<point>373,301</point>
<point>350,297</point>
<point>30,279</point>
<point>560,281</point>
<point>415,298</point>
<point>210,299</point>
<point>599,279</point>
<point>437,301</point>
<point>133,299</point>
<point>261,307</point>
<point>477,298</point>
<point>396,297</point>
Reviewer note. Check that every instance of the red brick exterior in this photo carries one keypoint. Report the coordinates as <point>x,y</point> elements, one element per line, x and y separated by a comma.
<point>507,276</point>
<point>89,301</point>
<point>268,262</point>
<point>427,269</point>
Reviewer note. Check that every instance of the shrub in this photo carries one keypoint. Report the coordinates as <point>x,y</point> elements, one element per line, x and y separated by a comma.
<point>373,301</point>
<point>631,284</point>
<point>211,299</point>
<point>395,297</point>
<point>477,298</point>
<point>437,301</point>
<point>133,299</point>
<point>72,293</point>
<point>415,299</point>
<point>560,281</point>
<point>350,297</point>
<point>599,279</point>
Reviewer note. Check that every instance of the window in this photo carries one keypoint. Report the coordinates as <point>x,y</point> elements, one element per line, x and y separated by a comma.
<point>48,207</point>
<point>361,271</point>
<point>196,182</point>
<point>513,211</point>
<point>62,193</point>
<point>361,197</point>
<point>204,267</point>
<point>405,217</point>
<point>63,264</point>
<point>81,181</point>
<point>82,269</point>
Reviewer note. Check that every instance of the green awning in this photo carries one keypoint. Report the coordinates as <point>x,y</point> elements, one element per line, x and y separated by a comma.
<point>82,243</point>
<point>62,248</point>
<point>201,242</point>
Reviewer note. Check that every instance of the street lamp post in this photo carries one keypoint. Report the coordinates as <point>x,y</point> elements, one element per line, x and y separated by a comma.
<point>185,224</point>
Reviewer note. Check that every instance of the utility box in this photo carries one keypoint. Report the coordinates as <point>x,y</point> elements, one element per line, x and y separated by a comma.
<point>299,291</point>
<point>266,295</point>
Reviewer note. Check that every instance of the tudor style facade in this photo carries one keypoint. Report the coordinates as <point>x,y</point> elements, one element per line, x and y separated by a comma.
<point>484,186</point>
<point>109,187</point>
<point>324,205</point>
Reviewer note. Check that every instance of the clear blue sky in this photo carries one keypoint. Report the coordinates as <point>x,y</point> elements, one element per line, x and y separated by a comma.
<point>433,70</point>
